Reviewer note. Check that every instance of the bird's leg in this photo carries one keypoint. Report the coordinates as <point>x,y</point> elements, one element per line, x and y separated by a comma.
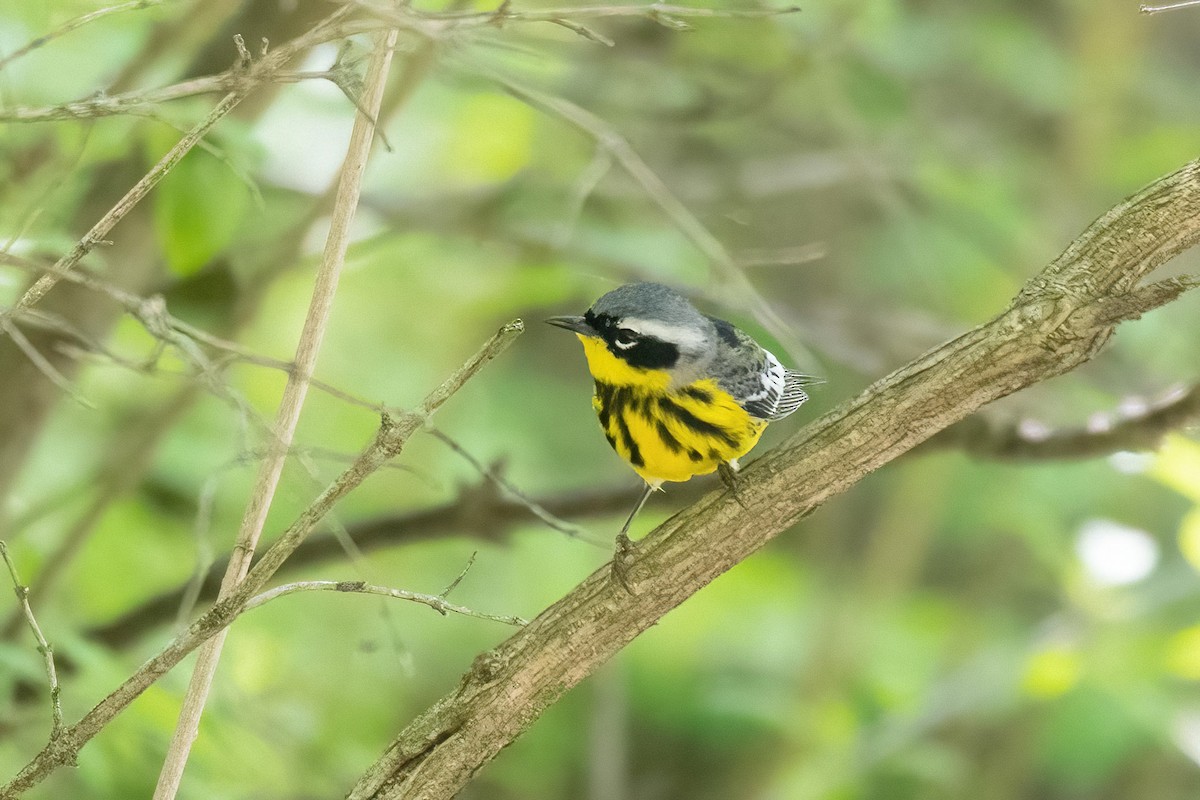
<point>623,555</point>
<point>728,471</point>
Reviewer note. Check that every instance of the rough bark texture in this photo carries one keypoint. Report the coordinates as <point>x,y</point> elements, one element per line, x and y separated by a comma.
<point>1059,320</point>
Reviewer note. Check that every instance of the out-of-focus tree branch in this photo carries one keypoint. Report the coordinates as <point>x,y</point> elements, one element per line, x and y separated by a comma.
<point>980,437</point>
<point>479,511</point>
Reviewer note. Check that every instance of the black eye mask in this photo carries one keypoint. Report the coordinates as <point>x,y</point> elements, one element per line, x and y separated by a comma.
<point>646,352</point>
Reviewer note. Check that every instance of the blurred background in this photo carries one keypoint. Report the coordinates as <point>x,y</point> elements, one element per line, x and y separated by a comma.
<point>854,184</point>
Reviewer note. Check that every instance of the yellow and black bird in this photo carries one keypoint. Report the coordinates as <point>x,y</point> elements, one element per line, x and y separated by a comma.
<point>678,393</point>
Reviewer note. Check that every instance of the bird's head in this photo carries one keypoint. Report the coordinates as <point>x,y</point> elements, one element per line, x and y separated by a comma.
<point>650,327</point>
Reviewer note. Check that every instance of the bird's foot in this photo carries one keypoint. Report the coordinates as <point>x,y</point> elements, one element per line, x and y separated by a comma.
<point>728,472</point>
<point>622,561</point>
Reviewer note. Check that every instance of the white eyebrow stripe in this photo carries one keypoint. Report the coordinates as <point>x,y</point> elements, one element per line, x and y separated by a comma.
<point>688,338</point>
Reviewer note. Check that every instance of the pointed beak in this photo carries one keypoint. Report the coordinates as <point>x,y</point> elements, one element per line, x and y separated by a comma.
<point>577,324</point>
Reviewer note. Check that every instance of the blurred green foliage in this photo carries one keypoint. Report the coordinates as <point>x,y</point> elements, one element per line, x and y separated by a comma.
<point>945,630</point>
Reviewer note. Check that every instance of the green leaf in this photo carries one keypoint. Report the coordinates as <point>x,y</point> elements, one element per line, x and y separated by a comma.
<point>198,208</point>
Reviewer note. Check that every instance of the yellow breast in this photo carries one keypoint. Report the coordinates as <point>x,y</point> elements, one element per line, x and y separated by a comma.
<point>666,433</point>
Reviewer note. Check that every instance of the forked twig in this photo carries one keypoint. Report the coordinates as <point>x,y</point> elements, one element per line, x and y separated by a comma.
<point>438,603</point>
<point>43,646</point>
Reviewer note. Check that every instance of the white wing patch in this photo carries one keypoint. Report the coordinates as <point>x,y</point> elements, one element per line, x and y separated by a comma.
<point>793,395</point>
<point>782,391</point>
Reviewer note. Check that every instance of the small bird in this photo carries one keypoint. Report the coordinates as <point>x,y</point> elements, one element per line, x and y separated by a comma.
<point>678,393</point>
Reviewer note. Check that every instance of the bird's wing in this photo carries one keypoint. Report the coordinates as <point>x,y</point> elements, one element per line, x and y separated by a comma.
<point>755,378</point>
<point>793,395</point>
<point>780,392</point>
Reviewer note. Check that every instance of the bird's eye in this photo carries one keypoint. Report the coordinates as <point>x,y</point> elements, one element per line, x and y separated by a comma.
<point>626,337</point>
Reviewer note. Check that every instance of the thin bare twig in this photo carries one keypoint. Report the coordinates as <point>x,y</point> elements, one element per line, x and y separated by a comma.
<point>609,138</point>
<point>43,646</point>
<point>458,578</point>
<point>143,102</point>
<point>140,189</point>
<point>437,602</point>
<point>309,345</point>
<point>662,13</point>
<point>561,525</point>
<point>583,30</point>
<point>242,175</point>
<point>72,24</point>
<point>152,314</point>
<point>1145,9</point>
<point>42,363</point>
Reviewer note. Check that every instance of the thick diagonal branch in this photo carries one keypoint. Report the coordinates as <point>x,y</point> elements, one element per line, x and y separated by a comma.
<point>1057,322</point>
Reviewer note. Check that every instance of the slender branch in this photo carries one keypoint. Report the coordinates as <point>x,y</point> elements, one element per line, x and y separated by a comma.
<point>42,363</point>
<point>72,24</point>
<point>574,531</point>
<point>1059,321</point>
<point>437,602</point>
<point>664,13</point>
<point>393,434</point>
<point>610,139</point>
<point>271,469</point>
<point>450,587</point>
<point>152,314</point>
<point>1145,9</point>
<point>142,102</point>
<point>43,646</point>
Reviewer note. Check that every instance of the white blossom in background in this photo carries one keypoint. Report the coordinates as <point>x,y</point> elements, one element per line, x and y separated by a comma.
<point>1185,732</point>
<point>1130,463</point>
<point>1113,554</point>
